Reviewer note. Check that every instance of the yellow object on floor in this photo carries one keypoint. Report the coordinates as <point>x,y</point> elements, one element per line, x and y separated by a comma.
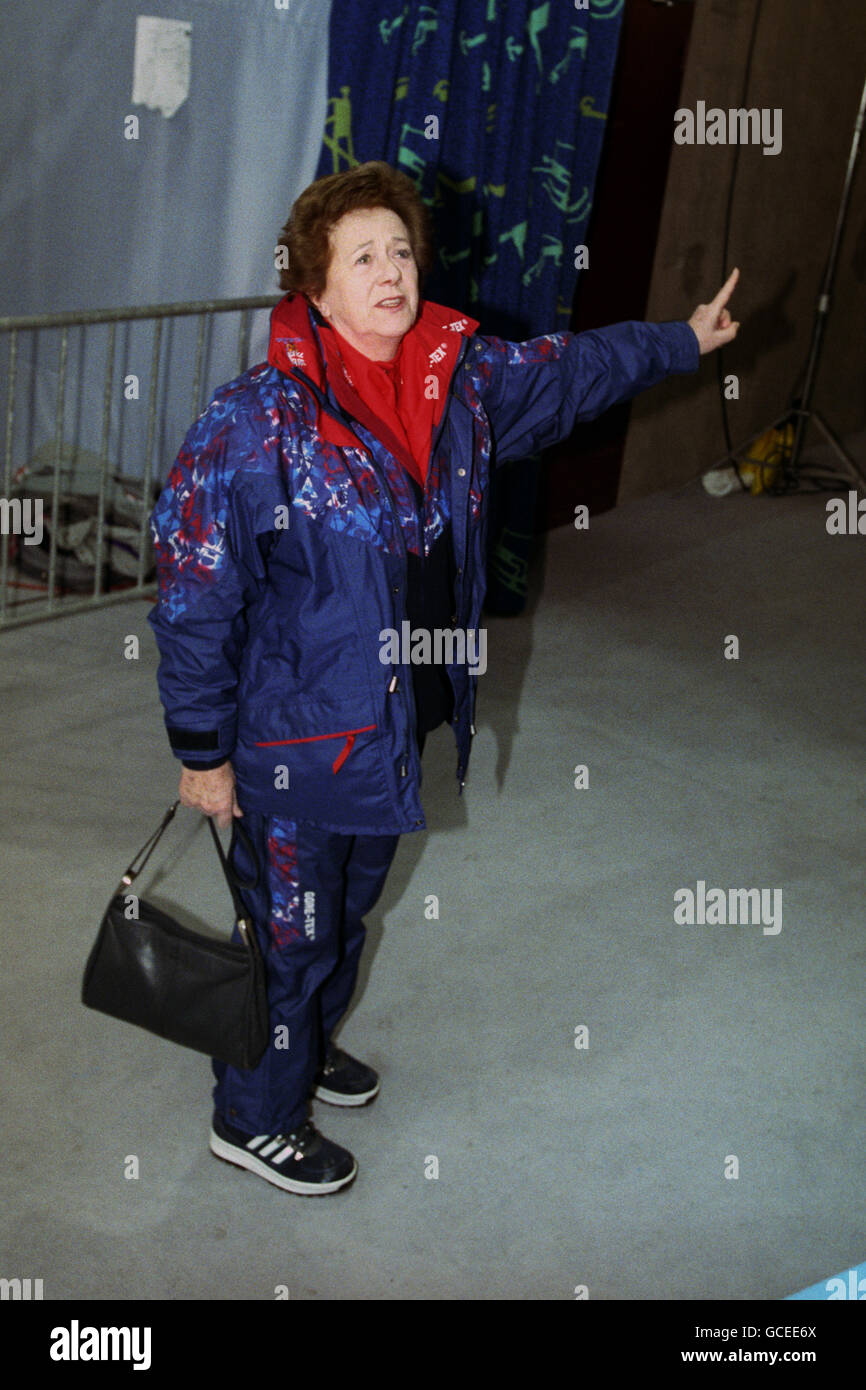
<point>761,465</point>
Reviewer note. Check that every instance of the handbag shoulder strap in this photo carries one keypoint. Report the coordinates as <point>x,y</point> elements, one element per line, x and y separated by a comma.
<point>242,917</point>
<point>232,878</point>
<point>149,846</point>
<point>231,875</point>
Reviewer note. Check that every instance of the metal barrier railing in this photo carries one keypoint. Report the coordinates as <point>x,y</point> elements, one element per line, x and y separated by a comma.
<point>52,604</point>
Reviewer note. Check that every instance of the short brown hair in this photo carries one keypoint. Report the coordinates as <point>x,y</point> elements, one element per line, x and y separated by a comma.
<point>307,233</point>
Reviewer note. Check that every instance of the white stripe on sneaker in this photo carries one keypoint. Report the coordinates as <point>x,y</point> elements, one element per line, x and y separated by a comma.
<point>269,1148</point>
<point>259,1139</point>
<point>281,1157</point>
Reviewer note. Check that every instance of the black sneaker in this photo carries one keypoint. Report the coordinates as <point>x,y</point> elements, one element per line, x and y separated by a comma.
<point>304,1161</point>
<point>343,1080</point>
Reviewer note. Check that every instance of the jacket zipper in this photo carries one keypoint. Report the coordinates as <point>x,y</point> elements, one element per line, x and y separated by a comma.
<point>464,348</point>
<point>348,734</point>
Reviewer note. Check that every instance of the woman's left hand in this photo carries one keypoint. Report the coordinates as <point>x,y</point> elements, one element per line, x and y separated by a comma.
<point>711,322</point>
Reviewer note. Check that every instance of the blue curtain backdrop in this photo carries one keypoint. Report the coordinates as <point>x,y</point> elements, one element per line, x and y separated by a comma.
<point>496,109</point>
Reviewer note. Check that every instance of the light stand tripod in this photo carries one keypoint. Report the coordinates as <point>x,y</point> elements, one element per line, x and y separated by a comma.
<point>800,411</point>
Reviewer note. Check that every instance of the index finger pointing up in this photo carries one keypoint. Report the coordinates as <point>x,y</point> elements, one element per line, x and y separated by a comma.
<point>726,291</point>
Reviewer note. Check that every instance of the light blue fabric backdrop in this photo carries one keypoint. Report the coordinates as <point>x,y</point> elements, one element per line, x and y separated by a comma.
<point>189,210</point>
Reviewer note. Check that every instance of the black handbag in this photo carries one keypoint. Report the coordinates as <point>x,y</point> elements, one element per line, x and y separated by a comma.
<point>195,990</point>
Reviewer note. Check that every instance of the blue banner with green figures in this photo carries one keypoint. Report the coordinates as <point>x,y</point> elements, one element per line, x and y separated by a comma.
<point>496,109</point>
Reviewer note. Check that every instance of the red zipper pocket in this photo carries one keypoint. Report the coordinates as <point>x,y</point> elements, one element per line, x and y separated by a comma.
<point>347,734</point>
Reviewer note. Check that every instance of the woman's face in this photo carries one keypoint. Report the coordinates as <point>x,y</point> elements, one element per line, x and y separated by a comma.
<point>371,293</point>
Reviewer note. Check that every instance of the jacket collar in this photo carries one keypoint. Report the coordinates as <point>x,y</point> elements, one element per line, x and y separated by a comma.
<point>296,347</point>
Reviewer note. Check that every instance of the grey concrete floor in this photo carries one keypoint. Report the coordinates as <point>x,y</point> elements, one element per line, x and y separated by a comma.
<point>601,1166</point>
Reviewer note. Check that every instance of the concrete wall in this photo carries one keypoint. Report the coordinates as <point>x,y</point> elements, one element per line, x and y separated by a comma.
<point>810,60</point>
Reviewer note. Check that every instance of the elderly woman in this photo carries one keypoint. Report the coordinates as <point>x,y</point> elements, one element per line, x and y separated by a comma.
<point>324,499</point>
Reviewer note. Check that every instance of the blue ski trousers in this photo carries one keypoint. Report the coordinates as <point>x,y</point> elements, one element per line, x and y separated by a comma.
<point>314,889</point>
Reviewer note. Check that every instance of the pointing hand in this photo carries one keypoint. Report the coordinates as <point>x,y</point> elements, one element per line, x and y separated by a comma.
<point>712,323</point>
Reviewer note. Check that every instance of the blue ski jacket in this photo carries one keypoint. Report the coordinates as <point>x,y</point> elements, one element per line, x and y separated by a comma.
<point>281,546</point>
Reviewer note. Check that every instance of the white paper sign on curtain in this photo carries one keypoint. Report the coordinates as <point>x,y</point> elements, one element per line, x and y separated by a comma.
<point>161,66</point>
